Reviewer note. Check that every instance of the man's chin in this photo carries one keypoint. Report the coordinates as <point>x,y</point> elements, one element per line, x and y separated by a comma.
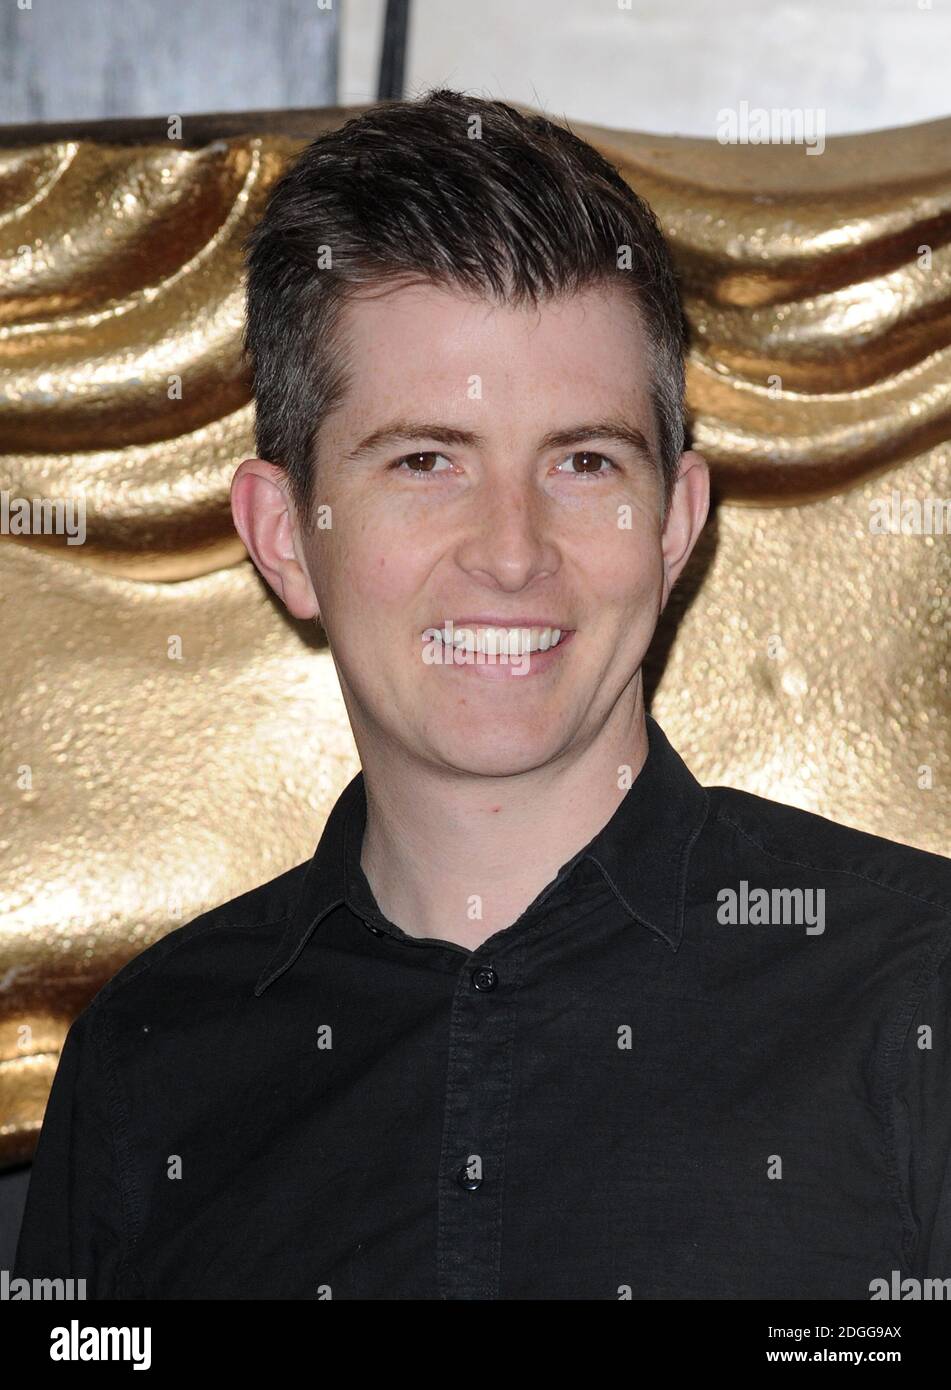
<point>496,753</point>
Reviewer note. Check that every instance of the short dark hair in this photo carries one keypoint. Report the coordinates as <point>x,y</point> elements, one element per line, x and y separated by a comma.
<point>466,193</point>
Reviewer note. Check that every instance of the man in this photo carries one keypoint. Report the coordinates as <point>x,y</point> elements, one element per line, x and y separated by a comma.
<point>543,1017</point>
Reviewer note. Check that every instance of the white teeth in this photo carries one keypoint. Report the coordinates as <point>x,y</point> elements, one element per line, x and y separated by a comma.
<point>496,641</point>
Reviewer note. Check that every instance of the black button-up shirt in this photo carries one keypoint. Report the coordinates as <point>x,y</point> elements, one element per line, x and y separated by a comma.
<point>712,1059</point>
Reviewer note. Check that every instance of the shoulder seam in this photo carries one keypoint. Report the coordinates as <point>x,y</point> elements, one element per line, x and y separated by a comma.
<point>893,1051</point>
<point>120,1147</point>
<point>944,907</point>
<point>107,991</point>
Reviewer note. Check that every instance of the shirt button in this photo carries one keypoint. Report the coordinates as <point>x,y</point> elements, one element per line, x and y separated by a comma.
<point>377,931</point>
<point>465,1178</point>
<point>484,978</point>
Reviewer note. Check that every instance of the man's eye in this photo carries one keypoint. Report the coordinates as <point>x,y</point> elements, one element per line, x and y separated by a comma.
<point>590,460</point>
<point>420,463</point>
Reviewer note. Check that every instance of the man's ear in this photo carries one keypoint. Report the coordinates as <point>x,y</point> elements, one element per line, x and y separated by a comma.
<point>686,516</point>
<point>265,519</point>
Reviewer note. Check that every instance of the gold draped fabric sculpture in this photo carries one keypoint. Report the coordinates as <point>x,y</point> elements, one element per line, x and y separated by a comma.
<point>172,738</point>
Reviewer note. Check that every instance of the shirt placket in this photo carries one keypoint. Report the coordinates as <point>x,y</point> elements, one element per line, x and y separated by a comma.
<point>478,1099</point>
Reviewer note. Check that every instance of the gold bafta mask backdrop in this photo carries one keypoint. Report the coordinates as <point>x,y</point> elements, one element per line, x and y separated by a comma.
<point>171,738</point>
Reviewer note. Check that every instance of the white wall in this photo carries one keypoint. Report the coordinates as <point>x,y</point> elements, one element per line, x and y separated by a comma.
<point>671,65</point>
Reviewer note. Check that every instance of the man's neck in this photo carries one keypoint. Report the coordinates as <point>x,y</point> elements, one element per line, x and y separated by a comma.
<point>460,858</point>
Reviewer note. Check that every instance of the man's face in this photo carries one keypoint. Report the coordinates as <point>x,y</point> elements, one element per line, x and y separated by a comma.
<point>490,523</point>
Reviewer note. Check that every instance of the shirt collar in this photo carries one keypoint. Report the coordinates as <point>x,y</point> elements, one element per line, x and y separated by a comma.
<point>642,852</point>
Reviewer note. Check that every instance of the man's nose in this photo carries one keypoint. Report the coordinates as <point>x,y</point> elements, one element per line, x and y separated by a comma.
<point>509,536</point>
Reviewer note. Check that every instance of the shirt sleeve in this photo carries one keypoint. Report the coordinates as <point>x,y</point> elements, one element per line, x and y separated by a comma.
<point>73,1224</point>
<point>924,1115</point>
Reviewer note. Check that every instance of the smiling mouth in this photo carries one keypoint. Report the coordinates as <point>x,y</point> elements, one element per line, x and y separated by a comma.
<point>491,640</point>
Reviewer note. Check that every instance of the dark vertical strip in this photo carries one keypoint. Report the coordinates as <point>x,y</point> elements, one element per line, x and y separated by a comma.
<point>393,51</point>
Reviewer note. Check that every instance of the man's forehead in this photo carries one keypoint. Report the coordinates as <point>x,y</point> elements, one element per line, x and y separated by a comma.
<point>425,335</point>
<point>418,354</point>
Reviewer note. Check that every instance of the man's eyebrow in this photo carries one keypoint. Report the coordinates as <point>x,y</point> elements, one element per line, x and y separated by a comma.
<point>615,429</point>
<point>414,429</point>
